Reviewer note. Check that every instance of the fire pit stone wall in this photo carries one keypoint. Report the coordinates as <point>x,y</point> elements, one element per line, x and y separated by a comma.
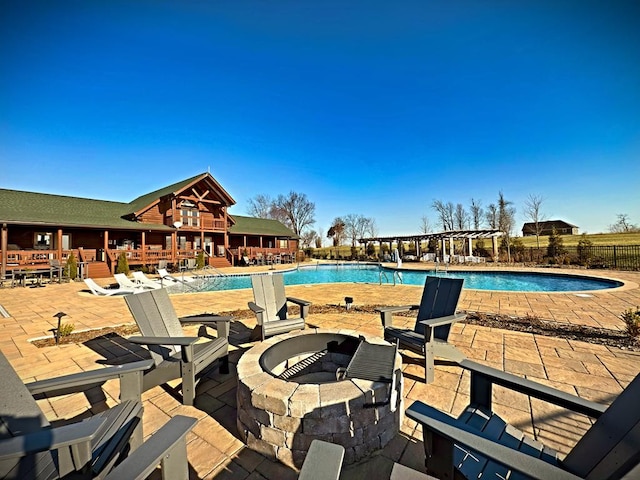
<point>279,418</point>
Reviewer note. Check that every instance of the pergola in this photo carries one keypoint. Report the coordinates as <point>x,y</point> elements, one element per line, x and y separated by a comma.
<point>446,237</point>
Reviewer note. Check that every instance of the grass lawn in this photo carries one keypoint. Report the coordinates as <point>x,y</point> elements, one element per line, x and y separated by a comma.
<point>596,239</point>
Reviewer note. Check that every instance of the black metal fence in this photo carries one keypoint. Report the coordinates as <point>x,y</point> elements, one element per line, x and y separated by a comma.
<point>620,257</point>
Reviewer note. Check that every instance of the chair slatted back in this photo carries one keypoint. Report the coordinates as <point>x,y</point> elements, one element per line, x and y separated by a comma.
<point>439,299</point>
<point>268,292</point>
<point>156,317</point>
<point>611,447</point>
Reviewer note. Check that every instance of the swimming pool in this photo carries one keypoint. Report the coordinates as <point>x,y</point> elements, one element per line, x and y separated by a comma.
<point>480,280</point>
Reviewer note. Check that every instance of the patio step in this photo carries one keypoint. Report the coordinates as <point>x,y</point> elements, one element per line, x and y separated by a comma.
<point>219,262</point>
<point>99,270</point>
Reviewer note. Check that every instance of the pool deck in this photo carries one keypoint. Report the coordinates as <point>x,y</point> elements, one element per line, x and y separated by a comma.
<point>592,371</point>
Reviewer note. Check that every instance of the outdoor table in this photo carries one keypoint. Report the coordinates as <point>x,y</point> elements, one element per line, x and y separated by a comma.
<point>21,276</point>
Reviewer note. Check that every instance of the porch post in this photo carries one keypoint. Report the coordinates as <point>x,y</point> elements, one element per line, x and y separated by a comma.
<point>174,246</point>
<point>59,244</point>
<point>3,247</point>
<point>106,245</point>
<point>144,248</point>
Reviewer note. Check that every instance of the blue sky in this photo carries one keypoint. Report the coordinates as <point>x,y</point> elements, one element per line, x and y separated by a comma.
<point>371,108</point>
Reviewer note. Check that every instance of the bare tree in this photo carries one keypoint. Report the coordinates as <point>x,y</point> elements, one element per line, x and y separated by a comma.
<point>370,228</point>
<point>297,210</point>
<point>260,206</point>
<point>461,218</point>
<point>477,213</point>
<point>623,225</point>
<point>336,231</point>
<point>319,238</point>
<point>532,209</point>
<point>492,216</point>
<point>425,225</point>
<point>308,238</point>
<point>358,226</point>
<point>445,213</point>
<point>506,219</point>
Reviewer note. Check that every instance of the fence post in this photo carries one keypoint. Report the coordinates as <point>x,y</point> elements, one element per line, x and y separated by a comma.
<point>615,257</point>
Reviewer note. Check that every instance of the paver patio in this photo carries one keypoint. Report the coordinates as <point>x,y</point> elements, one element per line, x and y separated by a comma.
<point>592,371</point>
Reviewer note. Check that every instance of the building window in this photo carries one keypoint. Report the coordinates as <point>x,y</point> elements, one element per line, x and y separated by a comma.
<point>43,240</point>
<point>283,244</point>
<point>189,214</point>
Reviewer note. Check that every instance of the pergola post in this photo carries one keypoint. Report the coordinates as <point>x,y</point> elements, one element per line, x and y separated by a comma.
<point>494,241</point>
<point>470,246</point>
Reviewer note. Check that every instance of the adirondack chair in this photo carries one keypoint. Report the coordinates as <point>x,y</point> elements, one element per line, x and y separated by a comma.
<point>174,354</point>
<point>436,314</point>
<point>271,305</point>
<point>31,448</point>
<point>480,444</point>
<point>323,461</point>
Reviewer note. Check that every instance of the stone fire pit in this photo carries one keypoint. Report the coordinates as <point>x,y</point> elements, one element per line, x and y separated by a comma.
<point>288,396</point>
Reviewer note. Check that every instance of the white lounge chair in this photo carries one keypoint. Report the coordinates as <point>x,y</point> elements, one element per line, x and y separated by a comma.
<point>142,279</point>
<point>126,282</point>
<point>107,292</point>
<point>165,276</point>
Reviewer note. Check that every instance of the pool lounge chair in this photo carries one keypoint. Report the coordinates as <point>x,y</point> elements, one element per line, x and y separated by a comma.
<point>141,279</point>
<point>436,314</point>
<point>170,279</point>
<point>479,444</point>
<point>107,292</point>
<point>126,282</point>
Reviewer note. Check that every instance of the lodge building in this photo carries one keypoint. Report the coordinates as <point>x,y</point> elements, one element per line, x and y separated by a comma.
<point>167,226</point>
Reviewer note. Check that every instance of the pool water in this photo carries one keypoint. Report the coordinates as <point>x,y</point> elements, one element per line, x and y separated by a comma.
<point>485,280</point>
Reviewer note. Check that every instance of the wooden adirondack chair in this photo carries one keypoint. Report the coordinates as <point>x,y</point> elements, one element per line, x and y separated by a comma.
<point>174,354</point>
<point>31,448</point>
<point>436,314</point>
<point>271,305</point>
<point>479,444</point>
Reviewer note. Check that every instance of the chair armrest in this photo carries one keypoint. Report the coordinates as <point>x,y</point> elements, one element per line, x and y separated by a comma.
<point>483,377</point>
<point>205,319</point>
<point>255,308</point>
<point>180,341</point>
<point>303,304</point>
<point>298,301</point>
<point>83,380</point>
<point>185,344</point>
<point>167,446</point>
<point>387,312</point>
<point>444,426</point>
<point>323,461</point>
<point>436,322</point>
<point>52,439</point>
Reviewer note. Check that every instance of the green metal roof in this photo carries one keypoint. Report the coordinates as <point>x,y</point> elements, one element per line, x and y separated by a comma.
<point>149,198</point>
<point>260,226</point>
<point>20,207</point>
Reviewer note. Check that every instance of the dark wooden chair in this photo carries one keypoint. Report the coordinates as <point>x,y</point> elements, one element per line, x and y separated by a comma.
<point>30,447</point>
<point>271,306</point>
<point>436,314</point>
<point>174,354</point>
<point>479,444</point>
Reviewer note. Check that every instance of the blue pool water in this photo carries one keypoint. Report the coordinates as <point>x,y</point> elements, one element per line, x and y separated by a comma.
<point>506,281</point>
